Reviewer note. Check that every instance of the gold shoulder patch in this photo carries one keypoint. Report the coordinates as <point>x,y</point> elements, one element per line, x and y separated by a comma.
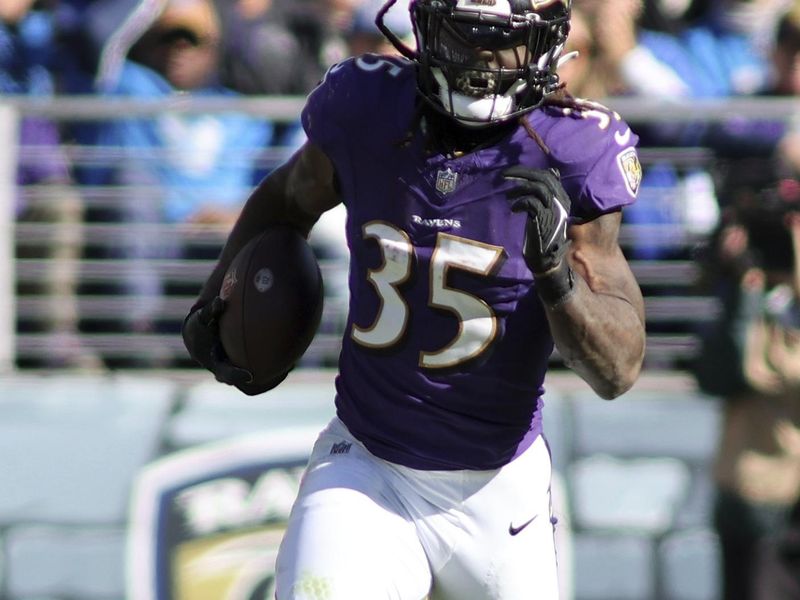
<point>631,169</point>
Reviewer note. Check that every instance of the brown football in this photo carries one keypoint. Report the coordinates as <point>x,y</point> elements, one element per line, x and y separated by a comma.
<point>273,296</point>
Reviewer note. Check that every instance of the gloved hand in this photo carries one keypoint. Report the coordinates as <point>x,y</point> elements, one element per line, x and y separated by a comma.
<point>539,193</point>
<point>201,337</point>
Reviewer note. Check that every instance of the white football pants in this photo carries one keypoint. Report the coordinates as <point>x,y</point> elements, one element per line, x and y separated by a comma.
<point>366,529</point>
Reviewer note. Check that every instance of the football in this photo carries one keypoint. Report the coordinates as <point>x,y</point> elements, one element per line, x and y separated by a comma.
<point>273,295</point>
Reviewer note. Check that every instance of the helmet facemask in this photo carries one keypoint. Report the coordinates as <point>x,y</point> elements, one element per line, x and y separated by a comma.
<point>483,62</point>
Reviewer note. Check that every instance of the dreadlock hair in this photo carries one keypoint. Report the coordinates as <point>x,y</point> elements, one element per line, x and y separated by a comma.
<point>561,98</point>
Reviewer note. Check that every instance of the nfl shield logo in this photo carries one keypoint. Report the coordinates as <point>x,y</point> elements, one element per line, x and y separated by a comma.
<point>446,181</point>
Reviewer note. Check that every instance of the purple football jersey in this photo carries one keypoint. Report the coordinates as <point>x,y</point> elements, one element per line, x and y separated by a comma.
<point>447,343</point>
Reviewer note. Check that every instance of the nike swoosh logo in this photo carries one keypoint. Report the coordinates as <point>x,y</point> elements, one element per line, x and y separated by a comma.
<point>562,222</point>
<point>515,530</point>
<point>623,138</point>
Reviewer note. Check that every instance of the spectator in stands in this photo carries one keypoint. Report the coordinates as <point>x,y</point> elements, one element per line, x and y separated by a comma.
<point>776,139</point>
<point>621,56</point>
<point>700,48</point>
<point>614,61</point>
<point>259,52</point>
<point>758,468</point>
<point>261,55</point>
<point>778,565</point>
<point>283,46</point>
<point>753,350</point>
<point>27,59</point>
<point>786,82</point>
<point>85,27</point>
<point>321,27</point>
<point>751,358</point>
<point>786,53</point>
<point>585,74</point>
<point>725,52</point>
<point>178,168</point>
<point>722,52</point>
<point>364,37</point>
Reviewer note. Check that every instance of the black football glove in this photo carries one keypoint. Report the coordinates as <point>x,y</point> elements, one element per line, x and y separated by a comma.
<point>539,193</point>
<point>201,337</point>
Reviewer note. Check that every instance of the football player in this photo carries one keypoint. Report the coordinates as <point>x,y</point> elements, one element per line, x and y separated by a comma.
<point>484,205</point>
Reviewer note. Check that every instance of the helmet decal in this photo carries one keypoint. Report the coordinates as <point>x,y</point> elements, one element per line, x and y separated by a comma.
<point>537,4</point>
<point>499,7</point>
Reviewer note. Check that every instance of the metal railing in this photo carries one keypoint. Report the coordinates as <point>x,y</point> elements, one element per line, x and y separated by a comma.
<point>674,309</point>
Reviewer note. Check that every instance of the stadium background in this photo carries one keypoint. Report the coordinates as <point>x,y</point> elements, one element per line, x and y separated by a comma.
<point>134,480</point>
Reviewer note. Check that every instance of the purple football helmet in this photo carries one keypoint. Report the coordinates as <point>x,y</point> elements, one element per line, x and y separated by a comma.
<point>486,61</point>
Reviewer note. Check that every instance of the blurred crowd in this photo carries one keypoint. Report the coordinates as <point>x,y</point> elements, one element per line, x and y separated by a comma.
<point>175,169</point>
<point>189,169</point>
<point>746,202</point>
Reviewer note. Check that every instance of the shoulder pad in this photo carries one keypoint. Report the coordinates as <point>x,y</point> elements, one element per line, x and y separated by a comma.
<point>595,151</point>
<point>363,93</point>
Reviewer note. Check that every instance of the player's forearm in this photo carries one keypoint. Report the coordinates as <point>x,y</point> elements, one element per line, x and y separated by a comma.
<point>600,335</point>
<point>294,194</point>
<point>267,205</point>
